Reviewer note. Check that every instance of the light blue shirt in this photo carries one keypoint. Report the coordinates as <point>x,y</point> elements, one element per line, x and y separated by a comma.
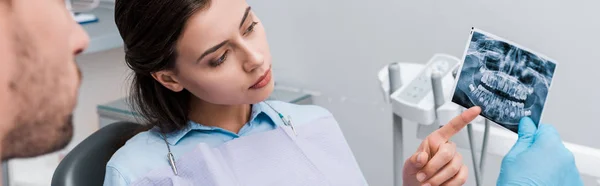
<point>147,151</point>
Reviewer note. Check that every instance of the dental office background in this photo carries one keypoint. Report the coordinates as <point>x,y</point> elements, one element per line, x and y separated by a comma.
<point>335,48</point>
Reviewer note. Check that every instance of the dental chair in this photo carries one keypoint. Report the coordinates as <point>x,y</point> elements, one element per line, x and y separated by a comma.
<point>86,163</point>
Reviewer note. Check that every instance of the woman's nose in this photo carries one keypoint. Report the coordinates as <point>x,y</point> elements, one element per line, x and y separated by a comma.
<point>253,58</point>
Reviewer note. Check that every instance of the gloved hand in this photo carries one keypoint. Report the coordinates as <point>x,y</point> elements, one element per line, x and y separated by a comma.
<point>538,158</point>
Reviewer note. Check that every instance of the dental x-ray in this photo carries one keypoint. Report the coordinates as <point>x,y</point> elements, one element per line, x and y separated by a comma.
<point>507,81</point>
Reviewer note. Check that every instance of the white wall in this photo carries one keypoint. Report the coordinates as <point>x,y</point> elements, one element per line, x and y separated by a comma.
<point>337,46</point>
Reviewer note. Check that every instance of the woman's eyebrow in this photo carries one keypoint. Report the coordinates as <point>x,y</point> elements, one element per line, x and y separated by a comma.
<point>245,16</point>
<point>216,47</point>
<point>211,50</point>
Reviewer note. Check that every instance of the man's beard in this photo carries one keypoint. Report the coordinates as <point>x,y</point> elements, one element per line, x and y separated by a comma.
<point>36,138</point>
<point>43,101</point>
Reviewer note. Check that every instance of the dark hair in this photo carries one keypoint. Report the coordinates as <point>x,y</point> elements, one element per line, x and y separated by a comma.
<point>150,30</point>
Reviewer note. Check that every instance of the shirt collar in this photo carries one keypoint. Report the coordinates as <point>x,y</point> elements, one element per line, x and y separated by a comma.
<point>257,109</point>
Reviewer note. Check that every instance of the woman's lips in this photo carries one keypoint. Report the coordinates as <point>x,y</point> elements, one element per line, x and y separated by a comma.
<point>262,81</point>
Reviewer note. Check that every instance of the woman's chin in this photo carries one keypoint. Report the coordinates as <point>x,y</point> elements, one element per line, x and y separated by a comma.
<point>262,94</point>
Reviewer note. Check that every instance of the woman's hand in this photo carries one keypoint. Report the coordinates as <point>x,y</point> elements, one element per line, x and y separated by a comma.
<point>436,162</point>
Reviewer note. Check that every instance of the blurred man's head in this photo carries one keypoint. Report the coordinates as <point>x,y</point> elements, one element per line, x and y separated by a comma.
<point>38,76</point>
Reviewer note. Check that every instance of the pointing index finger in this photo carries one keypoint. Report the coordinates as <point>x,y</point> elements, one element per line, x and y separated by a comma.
<point>458,122</point>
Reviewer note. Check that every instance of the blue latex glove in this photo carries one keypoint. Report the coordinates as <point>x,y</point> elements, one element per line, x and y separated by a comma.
<point>538,158</point>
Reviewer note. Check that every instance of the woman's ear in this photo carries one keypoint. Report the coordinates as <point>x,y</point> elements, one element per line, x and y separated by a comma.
<point>168,79</point>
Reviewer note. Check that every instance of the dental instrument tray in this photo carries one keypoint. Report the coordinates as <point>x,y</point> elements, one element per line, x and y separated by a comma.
<point>415,100</point>
<point>506,80</point>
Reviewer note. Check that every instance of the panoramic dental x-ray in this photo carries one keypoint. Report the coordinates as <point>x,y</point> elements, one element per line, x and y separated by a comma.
<point>507,81</point>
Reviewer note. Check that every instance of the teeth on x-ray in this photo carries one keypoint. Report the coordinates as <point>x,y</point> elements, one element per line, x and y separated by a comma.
<point>502,107</point>
<point>530,90</point>
<point>506,84</point>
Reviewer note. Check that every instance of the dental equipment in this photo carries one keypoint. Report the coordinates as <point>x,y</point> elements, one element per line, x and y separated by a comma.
<point>476,169</point>
<point>421,100</point>
<point>587,158</point>
<point>394,73</point>
<point>415,100</point>
<point>81,10</point>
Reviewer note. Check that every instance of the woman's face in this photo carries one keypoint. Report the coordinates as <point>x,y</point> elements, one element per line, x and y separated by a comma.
<point>223,56</point>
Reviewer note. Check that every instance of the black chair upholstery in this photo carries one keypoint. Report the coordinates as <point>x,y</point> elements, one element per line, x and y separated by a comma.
<point>86,163</point>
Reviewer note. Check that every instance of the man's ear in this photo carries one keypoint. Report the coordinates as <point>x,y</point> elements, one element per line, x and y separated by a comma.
<point>168,79</point>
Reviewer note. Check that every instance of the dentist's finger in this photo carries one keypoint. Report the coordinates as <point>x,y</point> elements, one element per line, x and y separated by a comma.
<point>527,130</point>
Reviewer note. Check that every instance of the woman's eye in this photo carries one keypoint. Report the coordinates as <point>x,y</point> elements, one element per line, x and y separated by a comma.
<point>250,28</point>
<point>220,60</point>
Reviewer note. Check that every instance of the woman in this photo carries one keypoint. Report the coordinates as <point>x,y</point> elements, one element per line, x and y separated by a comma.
<point>202,70</point>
